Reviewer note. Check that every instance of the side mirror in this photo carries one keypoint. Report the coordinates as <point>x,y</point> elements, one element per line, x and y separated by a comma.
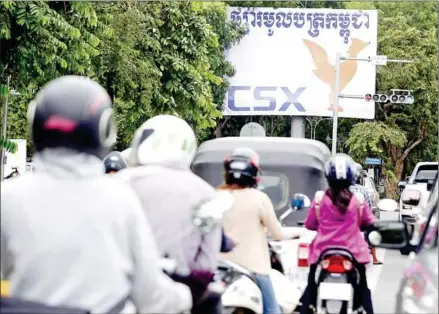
<point>388,234</point>
<point>402,184</point>
<point>298,202</point>
<point>411,197</point>
<point>387,205</point>
<point>209,214</point>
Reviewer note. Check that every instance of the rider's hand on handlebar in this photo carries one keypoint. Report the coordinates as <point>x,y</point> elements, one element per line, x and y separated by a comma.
<point>197,281</point>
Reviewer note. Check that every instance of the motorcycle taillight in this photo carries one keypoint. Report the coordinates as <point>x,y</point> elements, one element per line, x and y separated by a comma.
<point>302,255</point>
<point>336,265</point>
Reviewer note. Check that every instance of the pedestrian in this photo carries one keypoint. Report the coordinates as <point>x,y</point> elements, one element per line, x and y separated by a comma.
<point>359,187</point>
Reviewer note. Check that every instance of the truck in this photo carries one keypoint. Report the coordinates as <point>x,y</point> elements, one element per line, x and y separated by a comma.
<point>415,193</point>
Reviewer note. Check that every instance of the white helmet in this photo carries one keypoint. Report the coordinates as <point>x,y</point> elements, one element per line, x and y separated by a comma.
<point>163,138</point>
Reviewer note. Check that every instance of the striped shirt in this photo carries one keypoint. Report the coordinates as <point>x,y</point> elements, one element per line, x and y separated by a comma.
<point>361,189</point>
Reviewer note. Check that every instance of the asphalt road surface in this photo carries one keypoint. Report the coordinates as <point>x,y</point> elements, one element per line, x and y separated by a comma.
<point>384,279</point>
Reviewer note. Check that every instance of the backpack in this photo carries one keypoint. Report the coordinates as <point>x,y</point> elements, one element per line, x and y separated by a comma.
<point>319,197</point>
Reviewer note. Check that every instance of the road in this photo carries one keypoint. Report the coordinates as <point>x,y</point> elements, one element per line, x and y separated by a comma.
<point>384,279</point>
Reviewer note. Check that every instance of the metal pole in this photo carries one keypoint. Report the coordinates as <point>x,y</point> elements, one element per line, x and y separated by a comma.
<point>310,124</point>
<point>4,130</point>
<point>335,113</point>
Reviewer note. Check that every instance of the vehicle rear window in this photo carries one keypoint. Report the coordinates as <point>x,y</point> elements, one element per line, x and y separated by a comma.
<point>276,186</point>
<point>278,182</point>
<point>425,175</point>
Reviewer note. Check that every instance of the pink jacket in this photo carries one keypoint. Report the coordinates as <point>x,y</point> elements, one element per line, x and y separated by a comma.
<point>337,230</point>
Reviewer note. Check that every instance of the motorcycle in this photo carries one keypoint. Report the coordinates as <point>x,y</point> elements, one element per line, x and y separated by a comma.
<point>337,278</point>
<point>242,294</point>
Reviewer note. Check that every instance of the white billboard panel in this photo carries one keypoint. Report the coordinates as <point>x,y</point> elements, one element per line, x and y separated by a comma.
<point>285,64</point>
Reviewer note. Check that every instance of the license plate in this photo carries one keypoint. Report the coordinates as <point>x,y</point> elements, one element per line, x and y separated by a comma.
<point>335,291</point>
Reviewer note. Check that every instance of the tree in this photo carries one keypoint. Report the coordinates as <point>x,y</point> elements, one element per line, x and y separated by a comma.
<point>153,58</point>
<point>403,35</point>
<point>40,41</point>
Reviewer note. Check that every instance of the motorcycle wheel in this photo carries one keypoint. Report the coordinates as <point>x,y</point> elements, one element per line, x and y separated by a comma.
<point>236,310</point>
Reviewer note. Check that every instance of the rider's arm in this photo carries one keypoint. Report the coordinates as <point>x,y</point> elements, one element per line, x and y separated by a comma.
<point>209,250</point>
<point>269,220</point>
<point>152,291</point>
<point>311,221</point>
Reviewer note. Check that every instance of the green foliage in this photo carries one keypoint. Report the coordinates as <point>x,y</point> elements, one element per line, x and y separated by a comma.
<point>372,138</point>
<point>8,145</point>
<point>154,57</point>
<point>406,31</point>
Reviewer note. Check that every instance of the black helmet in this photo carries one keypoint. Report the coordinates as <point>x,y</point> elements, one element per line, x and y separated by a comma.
<point>242,167</point>
<point>72,112</point>
<point>114,162</point>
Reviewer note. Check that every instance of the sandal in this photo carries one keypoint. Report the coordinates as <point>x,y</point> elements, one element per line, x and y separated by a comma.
<point>378,263</point>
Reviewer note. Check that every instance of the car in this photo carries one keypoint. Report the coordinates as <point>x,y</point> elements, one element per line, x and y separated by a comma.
<point>373,193</point>
<point>418,290</point>
<point>289,166</point>
<point>413,200</point>
<point>421,222</point>
<point>424,173</point>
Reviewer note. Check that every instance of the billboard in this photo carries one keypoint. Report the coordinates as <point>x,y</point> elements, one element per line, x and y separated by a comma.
<point>285,64</point>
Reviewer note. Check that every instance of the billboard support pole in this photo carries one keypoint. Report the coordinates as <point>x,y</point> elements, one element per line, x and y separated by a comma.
<point>298,127</point>
<point>335,109</point>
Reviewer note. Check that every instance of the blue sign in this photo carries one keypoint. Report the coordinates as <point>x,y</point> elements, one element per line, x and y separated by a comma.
<point>272,104</point>
<point>372,161</point>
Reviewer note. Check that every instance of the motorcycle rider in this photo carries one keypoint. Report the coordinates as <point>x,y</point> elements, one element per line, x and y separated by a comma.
<point>71,236</point>
<point>114,162</point>
<point>161,153</point>
<point>251,213</point>
<point>360,188</point>
<point>337,217</point>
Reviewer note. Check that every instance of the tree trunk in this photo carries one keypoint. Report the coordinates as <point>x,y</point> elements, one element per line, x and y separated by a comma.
<point>399,156</point>
<point>220,125</point>
<point>218,132</point>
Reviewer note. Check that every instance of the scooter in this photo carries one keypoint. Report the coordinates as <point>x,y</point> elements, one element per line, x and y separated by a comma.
<point>242,294</point>
<point>337,279</point>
